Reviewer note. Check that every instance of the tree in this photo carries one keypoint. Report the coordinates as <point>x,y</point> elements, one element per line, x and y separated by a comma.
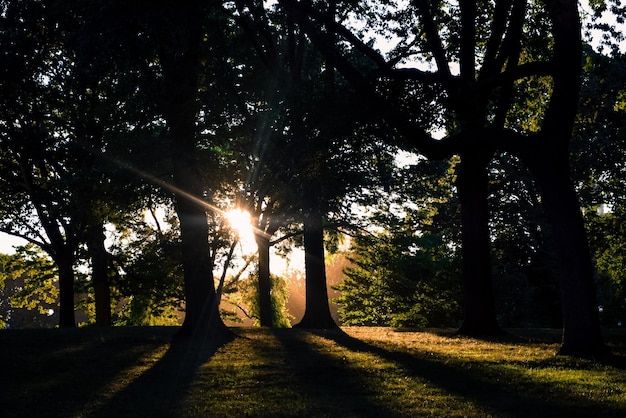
<point>293,174</point>
<point>29,289</point>
<point>598,164</point>
<point>267,220</point>
<point>405,270</point>
<point>173,47</point>
<point>148,279</point>
<point>247,301</point>
<point>400,280</point>
<point>179,35</point>
<point>495,53</point>
<point>37,167</point>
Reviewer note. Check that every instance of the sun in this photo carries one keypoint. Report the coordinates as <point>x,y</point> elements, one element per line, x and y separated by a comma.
<point>239,220</point>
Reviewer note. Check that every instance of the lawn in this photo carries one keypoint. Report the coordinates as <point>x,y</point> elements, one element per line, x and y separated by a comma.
<point>353,372</point>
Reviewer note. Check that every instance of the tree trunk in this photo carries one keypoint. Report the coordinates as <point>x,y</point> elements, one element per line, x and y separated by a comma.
<point>180,61</point>
<point>202,317</point>
<point>65,262</point>
<point>581,323</point>
<point>472,185</point>
<point>549,165</point>
<point>266,316</point>
<point>99,276</point>
<point>316,311</point>
<point>201,308</point>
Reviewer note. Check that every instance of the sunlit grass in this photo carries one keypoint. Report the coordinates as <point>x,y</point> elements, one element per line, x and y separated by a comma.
<point>351,373</point>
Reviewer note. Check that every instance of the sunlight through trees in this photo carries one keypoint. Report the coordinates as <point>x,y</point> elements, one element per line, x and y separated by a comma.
<point>171,160</point>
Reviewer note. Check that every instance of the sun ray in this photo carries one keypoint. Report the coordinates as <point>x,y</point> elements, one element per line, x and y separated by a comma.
<point>178,191</point>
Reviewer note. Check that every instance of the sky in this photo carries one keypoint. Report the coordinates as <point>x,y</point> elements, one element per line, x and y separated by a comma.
<point>607,17</point>
<point>7,242</point>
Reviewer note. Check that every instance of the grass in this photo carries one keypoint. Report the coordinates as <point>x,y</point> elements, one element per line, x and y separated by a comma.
<point>353,372</point>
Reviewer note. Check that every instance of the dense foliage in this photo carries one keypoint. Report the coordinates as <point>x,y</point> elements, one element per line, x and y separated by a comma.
<point>128,132</point>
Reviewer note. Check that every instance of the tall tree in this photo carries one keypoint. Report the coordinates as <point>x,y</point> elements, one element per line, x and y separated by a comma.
<point>598,151</point>
<point>180,34</point>
<point>495,52</point>
<point>319,156</point>
<point>37,159</point>
<point>166,49</point>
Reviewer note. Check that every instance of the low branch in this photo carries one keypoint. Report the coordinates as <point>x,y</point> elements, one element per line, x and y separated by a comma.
<point>286,237</point>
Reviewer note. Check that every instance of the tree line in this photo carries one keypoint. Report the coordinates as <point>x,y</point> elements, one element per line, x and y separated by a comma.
<point>290,111</point>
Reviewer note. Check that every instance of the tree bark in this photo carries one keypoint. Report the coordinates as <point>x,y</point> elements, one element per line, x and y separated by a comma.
<point>316,312</point>
<point>180,60</point>
<point>65,262</point>
<point>99,275</point>
<point>479,308</point>
<point>582,334</point>
<point>201,305</point>
<point>201,308</point>
<point>266,316</point>
<point>549,165</point>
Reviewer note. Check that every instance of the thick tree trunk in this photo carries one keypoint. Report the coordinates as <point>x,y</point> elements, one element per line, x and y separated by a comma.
<point>65,262</point>
<point>266,316</point>
<point>550,167</point>
<point>201,308</point>
<point>479,308</point>
<point>179,58</point>
<point>99,276</point>
<point>581,324</point>
<point>202,317</point>
<point>316,312</point>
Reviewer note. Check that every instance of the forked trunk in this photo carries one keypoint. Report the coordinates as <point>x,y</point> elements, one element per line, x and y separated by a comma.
<point>581,324</point>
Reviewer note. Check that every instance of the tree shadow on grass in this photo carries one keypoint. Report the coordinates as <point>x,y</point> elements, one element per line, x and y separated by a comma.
<point>56,372</point>
<point>161,390</point>
<point>498,395</point>
<point>615,340</point>
<point>327,386</point>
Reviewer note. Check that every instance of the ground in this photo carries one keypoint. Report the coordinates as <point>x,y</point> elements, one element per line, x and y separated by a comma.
<point>352,372</point>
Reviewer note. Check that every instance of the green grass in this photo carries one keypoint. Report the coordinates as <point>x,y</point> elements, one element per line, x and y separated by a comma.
<point>375,372</point>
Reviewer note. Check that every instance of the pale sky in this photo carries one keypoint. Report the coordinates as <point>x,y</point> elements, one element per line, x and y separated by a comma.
<point>8,241</point>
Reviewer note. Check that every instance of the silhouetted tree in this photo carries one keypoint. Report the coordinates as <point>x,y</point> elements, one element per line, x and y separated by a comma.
<point>492,64</point>
<point>310,160</point>
<point>38,163</point>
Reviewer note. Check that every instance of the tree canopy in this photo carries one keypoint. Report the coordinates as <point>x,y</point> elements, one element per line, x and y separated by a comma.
<point>293,111</point>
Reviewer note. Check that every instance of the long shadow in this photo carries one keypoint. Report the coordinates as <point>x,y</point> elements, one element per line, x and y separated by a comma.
<point>330,387</point>
<point>502,399</point>
<point>161,390</point>
<point>613,357</point>
<point>56,372</point>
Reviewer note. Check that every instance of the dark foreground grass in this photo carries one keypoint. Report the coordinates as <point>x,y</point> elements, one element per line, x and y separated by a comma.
<point>354,372</point>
